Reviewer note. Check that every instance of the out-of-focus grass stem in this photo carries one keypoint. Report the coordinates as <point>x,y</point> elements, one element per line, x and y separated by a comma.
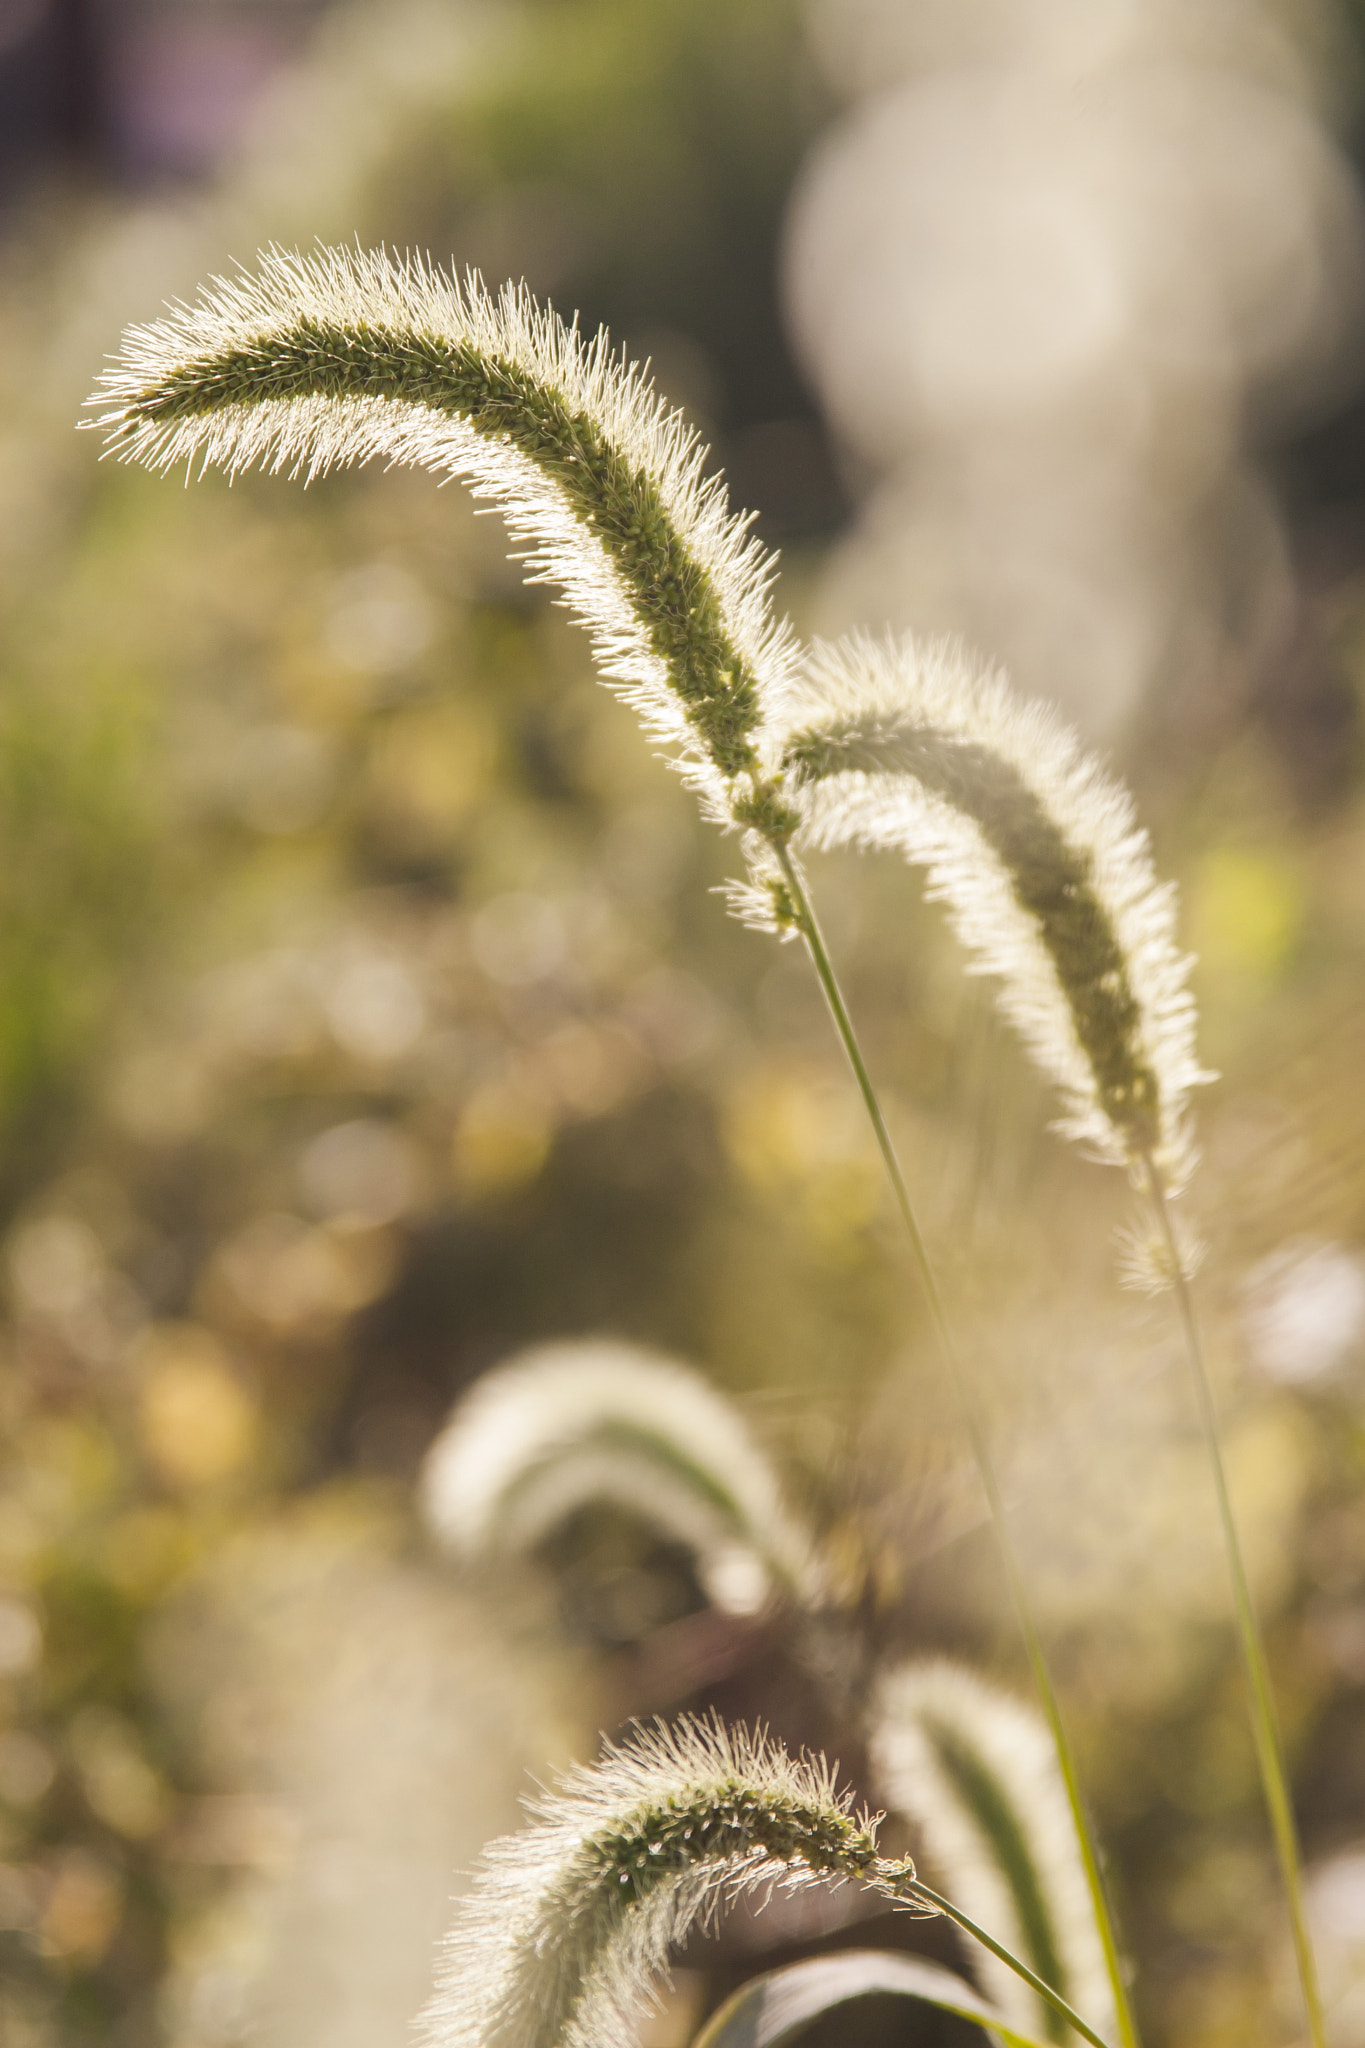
<point>1264,1723</point>
<point>843,1023</point>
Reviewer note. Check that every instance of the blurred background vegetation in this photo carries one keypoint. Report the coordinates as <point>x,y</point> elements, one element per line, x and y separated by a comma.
<point>366,1013</point>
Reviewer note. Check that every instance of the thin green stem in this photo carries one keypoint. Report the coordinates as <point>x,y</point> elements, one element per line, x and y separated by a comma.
<point>1264,1723</point>
<point>911,1888</point>
<point>843,1024</point>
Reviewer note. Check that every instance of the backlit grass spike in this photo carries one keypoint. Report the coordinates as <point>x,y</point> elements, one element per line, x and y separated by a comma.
<point>563,1425</point>
<point>1037,853</point>
<point>570,1923</point>
<point>317,362</point>
<point>975,1770</point>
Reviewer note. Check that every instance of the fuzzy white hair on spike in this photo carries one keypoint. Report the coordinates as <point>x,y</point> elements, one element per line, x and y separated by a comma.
<point>565,1424</point>
<point>1145,1262</point>
<point>975,1770</point>
<point>1039,857</point>
<point>763,901</point>
<point>322,361</point>
<point>569,1924</point>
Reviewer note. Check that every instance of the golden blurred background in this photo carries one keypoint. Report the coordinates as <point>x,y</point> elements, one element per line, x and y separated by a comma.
<point>367,1011</point>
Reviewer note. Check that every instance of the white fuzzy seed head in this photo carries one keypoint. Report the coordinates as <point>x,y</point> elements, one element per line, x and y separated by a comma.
<point>569,1923</point>
<point>976,1771</point>
<point>565,1424</point>
<point>323,361</point>
<point>1040,859</point>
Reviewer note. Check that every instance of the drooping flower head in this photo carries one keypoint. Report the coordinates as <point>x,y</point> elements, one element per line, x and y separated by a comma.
<point>564,1424</point>
<point>569,1922</point>
<point>976,1771</point>
<point>340,357</point>
<point>317,362</point>
<point>1037,853</point>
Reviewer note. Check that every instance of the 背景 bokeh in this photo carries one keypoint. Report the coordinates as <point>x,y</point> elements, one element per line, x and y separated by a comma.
<point>367,1011</point>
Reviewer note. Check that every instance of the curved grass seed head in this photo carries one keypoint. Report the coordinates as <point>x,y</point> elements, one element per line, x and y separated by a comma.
<point>317,362</point>
<point>975,1770</point>
<point>570,1922</point>
<point>1037,853</point>
<point>564,1424</point>
<point>322,361</point>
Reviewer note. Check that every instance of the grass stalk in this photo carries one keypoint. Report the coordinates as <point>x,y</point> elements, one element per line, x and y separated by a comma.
<point>1264,1722</point>
<point>913,1888</point>
<point>843,1024</point>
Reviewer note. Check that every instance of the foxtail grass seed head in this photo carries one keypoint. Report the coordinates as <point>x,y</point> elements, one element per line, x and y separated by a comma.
<point>1040,859</point>
<point>569,1923</point>
<point>566,1424</point>
<point>976,1771</point>
<point>318,362</point>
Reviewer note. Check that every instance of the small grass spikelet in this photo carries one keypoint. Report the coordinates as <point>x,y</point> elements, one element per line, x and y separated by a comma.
<point>1037,853</point>
<point>570,1922</point>
<point>763,901</point>
<point>1150,1264</point>
<point>565,1424</point>
<point>322,361</point>
<point>976,1771</point>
